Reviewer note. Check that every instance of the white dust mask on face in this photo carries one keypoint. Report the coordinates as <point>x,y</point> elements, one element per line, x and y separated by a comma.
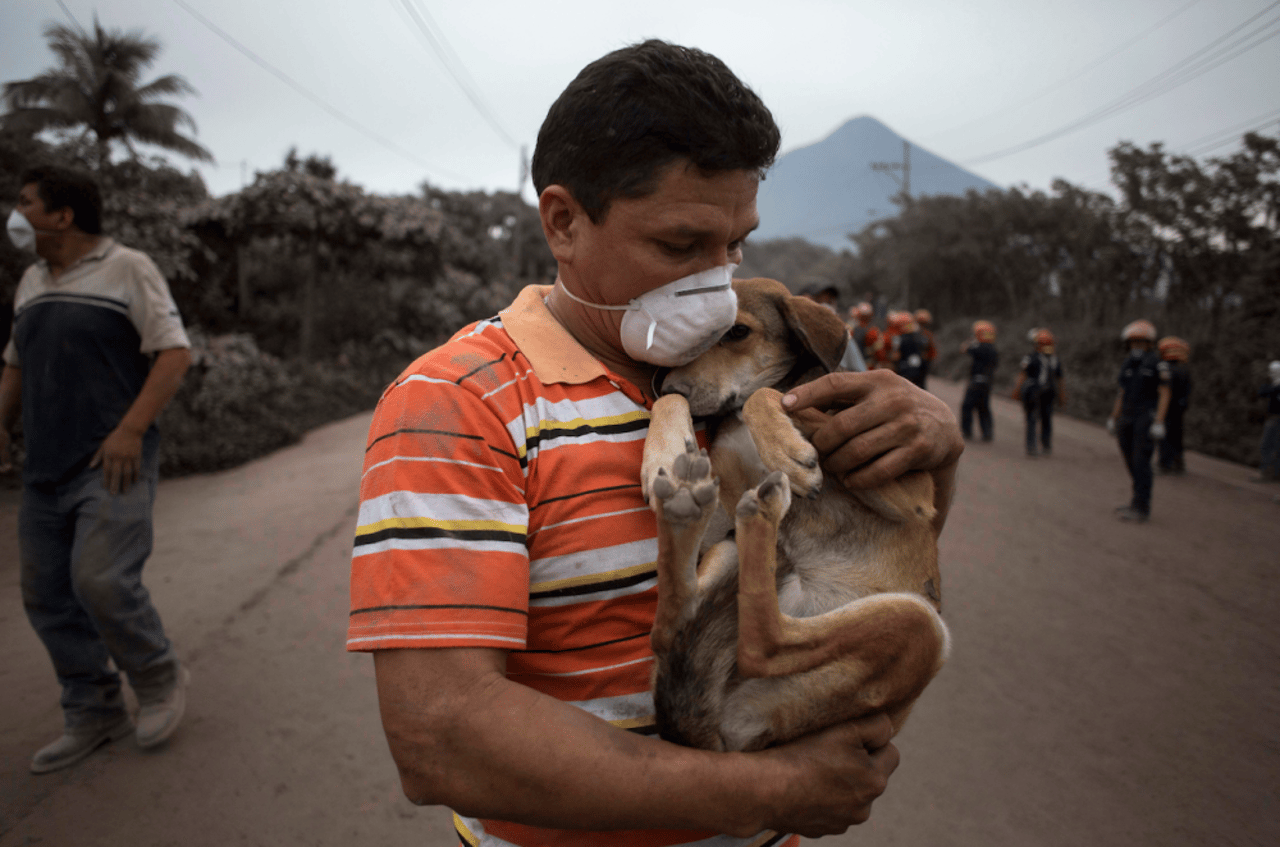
<point>21,233</point>
<point>672,325</point>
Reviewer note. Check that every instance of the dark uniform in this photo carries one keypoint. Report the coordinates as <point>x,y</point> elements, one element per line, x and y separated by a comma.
<point>977,396</point>
<point>1179,399</point>
<point>911,348</point>
<point>1140,378</point>
<point>1042,374</point>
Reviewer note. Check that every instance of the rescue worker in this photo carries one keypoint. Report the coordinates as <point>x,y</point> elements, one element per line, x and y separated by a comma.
<point>884,346</point>
<point>924,320</point>
<point>1137,417</point>
<point>1270,467</point>
<point>864,332</point>
<point>909,347</point>
<point>1039,386</point>
<point>977,394</point>
<point>1176,353</point>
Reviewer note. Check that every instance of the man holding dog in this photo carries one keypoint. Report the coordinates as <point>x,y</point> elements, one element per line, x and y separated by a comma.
<point>97,350</point>
<point>503,564</point>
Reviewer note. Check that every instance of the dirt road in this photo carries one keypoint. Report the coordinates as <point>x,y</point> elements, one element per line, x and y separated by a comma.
<point>1110,684</point>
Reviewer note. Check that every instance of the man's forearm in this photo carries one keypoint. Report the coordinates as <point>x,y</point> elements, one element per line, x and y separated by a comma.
<point>1162,404</point>
<point>158,389</point>
<point>491,748</point>
<point>501,750</point>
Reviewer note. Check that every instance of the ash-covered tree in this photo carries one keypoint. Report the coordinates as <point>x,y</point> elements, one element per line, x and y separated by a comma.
<point>97,88</point>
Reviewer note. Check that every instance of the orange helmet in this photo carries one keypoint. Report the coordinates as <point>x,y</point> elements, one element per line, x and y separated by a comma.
<point>1174,349</point>
<point>902,321</point>
<point>1139,330</point>
<point>924,317</point>
<point>984,331</point>
<point>1043,340</point>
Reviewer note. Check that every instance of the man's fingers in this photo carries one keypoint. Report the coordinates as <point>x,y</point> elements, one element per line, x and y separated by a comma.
<point>837,389</point>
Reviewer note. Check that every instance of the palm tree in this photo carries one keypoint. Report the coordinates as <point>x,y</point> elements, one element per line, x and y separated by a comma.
<point>96,86</point>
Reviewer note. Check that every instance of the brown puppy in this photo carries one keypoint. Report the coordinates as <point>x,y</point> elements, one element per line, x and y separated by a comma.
<point>821,607</point>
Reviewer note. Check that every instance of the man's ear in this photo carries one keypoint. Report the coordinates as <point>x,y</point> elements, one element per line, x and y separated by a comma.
<point>561,218</point>
<point>64,218</point>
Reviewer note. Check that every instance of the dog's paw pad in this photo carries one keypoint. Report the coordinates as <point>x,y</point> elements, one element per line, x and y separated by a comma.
<point>691,465</point>
<point>682,506</point>
<point>663,487</point>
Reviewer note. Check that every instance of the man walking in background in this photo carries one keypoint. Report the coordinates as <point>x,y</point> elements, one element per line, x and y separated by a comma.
<point>96,351</point>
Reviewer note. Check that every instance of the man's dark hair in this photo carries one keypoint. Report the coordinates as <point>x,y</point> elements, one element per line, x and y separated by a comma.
<point>62,187</point>
<point>631,112</point>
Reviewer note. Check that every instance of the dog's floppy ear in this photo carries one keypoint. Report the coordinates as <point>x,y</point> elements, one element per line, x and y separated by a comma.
<point>819,329</point>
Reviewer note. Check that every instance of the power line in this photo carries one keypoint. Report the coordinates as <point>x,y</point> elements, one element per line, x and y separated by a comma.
<point>1081,72</point>
<point>67,12</point>
<point>1178,74</point>
<point>1215,140</point>
<point>289,81</point>
<point>444,53</point>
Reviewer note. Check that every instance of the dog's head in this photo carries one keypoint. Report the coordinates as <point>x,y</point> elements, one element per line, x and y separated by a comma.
<point>778,340</point>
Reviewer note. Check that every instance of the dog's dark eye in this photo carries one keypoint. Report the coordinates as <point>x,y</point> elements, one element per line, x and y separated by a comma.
<point>737,332</point>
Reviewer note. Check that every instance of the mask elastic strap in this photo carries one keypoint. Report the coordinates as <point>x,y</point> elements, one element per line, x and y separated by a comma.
<point>578,299</point>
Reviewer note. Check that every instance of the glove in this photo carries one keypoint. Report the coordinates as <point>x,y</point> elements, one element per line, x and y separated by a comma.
<point>1111,426</point>
<point>1157,431</point>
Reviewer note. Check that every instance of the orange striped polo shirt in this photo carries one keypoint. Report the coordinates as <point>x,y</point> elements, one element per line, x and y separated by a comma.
<point>501,507</point>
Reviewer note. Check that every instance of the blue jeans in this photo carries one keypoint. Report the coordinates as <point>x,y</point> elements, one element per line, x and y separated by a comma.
<point>82,551</point>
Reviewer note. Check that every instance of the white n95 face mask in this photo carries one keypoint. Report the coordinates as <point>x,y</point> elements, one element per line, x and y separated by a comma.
<point>21,233</point>
<point>672,325</point>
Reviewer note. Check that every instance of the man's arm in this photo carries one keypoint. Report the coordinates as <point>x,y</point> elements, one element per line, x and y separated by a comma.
<point>464,736</point>
<point>10,405</point>
<point>121,452</point>
<point>1164,395</point>
<point>886,427</point>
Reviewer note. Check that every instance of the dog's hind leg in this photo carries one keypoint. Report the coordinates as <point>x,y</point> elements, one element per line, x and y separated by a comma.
<point>683,498</point>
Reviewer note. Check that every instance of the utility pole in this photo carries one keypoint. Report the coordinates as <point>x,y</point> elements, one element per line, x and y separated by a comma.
<point>517,235</point>
<point>904,183</point>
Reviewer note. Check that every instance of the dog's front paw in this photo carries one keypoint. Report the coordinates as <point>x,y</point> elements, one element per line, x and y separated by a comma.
<point>791,453</point>
<point>687,494</point>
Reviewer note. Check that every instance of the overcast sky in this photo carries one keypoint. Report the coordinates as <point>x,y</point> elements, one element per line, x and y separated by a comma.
<point>966,80</point>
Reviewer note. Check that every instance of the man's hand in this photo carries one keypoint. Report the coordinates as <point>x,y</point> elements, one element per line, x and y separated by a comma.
<point>840,772</point>
<point>121,458</point>
<point>886,426</point>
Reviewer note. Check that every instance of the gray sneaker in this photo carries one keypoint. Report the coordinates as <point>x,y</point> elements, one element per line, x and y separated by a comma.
<point>74,746</point>
<point>158,720</point>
